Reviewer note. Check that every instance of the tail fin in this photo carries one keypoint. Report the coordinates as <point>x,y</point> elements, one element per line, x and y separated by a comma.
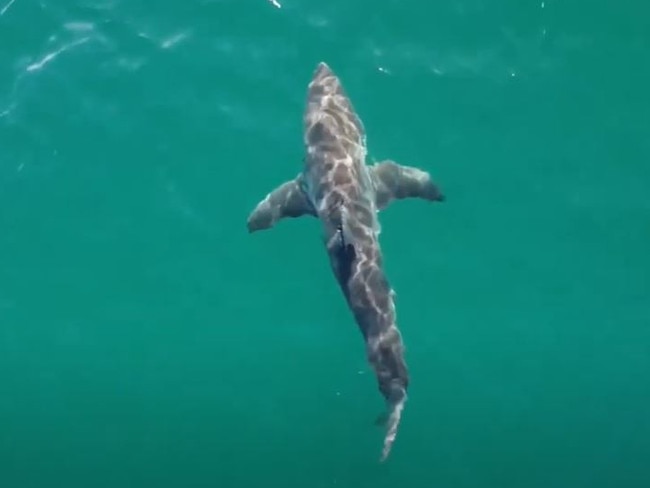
<point>392,424</point>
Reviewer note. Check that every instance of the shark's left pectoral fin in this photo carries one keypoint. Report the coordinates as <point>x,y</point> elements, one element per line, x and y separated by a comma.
<point>394,181</point>
<point>287,200</point>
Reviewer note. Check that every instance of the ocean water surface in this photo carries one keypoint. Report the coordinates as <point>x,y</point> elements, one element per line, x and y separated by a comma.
<point>146,339</point>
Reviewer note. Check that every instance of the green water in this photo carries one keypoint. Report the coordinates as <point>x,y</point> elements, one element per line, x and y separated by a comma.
<point>147,340</point>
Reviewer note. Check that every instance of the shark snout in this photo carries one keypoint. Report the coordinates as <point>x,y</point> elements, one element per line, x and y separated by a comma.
<point>322,70</point>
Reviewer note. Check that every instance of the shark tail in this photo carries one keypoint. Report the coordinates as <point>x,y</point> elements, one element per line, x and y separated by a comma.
<point>392,425</point>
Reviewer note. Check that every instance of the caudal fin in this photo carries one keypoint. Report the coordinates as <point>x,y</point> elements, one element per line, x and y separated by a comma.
<point>392,424</point>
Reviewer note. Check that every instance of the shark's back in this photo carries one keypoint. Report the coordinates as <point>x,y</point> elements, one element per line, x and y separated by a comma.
<point>327,97</point>
<point>335,144</point>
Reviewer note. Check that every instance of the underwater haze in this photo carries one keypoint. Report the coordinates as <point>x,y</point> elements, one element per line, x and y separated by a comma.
<point>146,339</point>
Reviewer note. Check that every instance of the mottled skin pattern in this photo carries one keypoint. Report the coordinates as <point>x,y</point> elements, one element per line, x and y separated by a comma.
<point>345,194</point>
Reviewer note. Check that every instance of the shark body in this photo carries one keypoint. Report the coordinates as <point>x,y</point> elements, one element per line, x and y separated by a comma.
<point>345,194</point>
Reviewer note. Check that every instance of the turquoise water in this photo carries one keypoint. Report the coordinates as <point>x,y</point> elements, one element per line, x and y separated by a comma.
<point>147,340</point>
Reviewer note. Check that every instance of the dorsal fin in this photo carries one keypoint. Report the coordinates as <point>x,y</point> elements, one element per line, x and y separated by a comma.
<point>345,252</point>
<point>344,227</point>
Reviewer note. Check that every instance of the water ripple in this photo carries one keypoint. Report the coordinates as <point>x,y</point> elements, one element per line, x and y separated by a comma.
<point>6,7</point>
<point>53,54</point>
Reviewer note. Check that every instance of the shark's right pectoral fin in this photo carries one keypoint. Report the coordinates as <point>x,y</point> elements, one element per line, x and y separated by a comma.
<point>394,182</point>
<point>287,200</point>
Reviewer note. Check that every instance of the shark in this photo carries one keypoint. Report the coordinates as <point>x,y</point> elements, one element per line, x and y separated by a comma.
<point>338,187</point>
